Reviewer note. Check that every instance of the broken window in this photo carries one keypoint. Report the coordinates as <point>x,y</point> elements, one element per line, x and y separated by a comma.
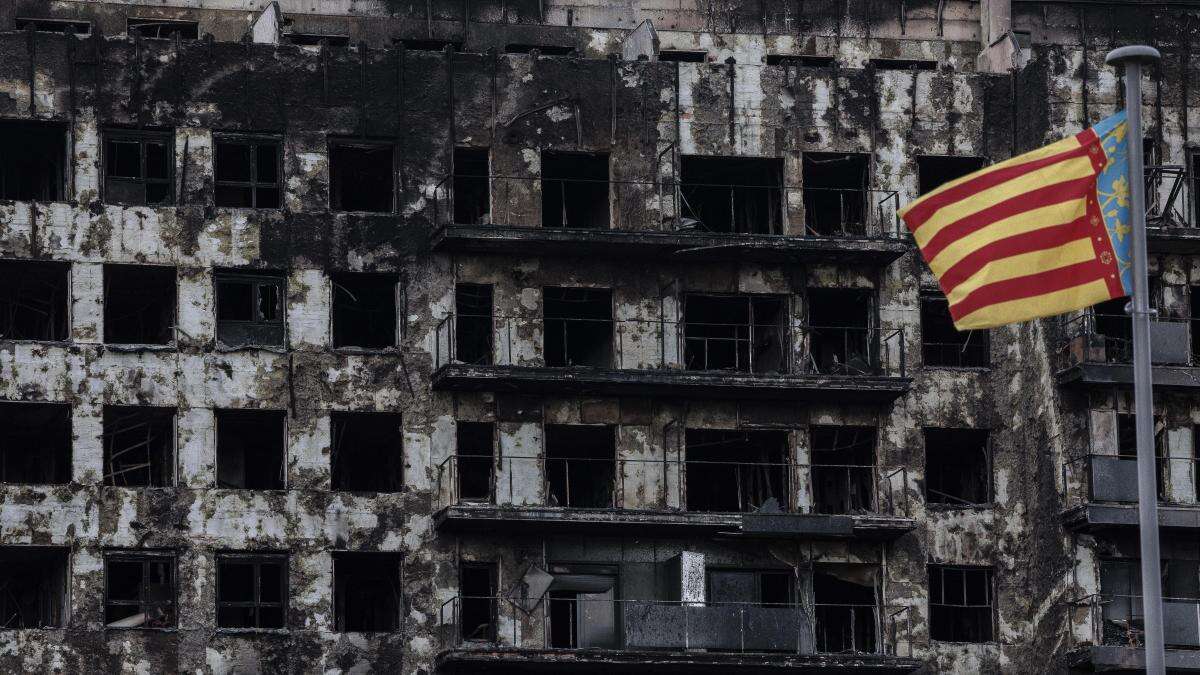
<point>737,471</point>
<point>33,587</point>
<point>477,587</point>
<point>251,590</point>
<point>364,310</point>
<point>316,40</point>
<point>366,592</point>
<point>250,449</point>
<point>473,323</point>
<point>1113,328</point>
<point>943,345</point>
<point>682,56</point>
<point>960,603</point>
<point>473,455</point>
<point>1127,446</point>
<point>835,194</point>
<point>361,176</point>
<point>843,469</point>
<point>958,467</point>
<point>575,190</point>
<point>544,50</point>
<point>746,333</point>
<point>55,26</point>
<point>732,194</point>
<point>163,28</point>
<point>33,160</point>
<point>247,171</point>
<point>139,446</point>
<point>582,607</point>
<point>368,452</point>
<point>1121,596</point>
<point>35,443</point>
<point>139,304</point>
<point>580,466</point>
<point>472,200</point>
<point>250,309</point>
<point>840,340</point>
<point>34,300</point>
<point>903,64</point>
<point>139,167</point>
<point>845,607</point>
<point>935,170</point>
<point>764,588</point>
<point>139,590</point>
<point>579,327</point>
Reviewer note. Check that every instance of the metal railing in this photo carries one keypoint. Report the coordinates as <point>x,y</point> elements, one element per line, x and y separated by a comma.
<point>1114,619</point>
<point>972,353</point>
<point>1099,477</point>
<point>662,485</point>
<point>1167,208</point>
<point>576,622</point>
<point>1108,338</point>
<point>648,344</point>
<point>673,205</point>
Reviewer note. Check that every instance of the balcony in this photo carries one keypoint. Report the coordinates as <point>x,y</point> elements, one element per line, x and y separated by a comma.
<point>645,357</point>
<point>1108,634</point>
<point>650,497</point>
<point>1170,227</point>
<point>755,223</point>
<point>582,635</point>
<point>1101,493</point>
<point>1097,350</point>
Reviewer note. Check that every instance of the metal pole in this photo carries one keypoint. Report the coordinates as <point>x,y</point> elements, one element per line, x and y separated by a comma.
<point>1133,57</point>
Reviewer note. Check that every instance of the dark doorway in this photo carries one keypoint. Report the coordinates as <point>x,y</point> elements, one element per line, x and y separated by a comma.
<point>579,327</point>
<point>477,588</point>
<point>731,194</point>
<point>737,471</point>
<point>835,194</point>
<point>840,339</point>
<point>843,469</point>
<point>575,190</point>
<point>745,333</point>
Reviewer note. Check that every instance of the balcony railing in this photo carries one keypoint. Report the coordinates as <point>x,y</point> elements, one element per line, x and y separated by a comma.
<point>577,622</point>
<point>662,485</point>
<point>1116,620</point>
<point>664,206</point>
<point>649,344</point>
<point>1113,479</point>
<point>1108,338</point>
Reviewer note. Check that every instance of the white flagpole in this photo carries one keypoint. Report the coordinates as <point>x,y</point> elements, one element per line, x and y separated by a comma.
<point>1133,58</point>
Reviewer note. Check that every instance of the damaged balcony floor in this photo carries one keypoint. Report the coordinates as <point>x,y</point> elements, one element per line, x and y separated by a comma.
<point>1109,659</point>
<point>1099,517</point>
<point>507,660</point>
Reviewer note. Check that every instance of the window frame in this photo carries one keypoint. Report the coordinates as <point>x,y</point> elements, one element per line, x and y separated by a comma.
<point>334,142</point>
<point>256,281</point>
<point>929,297</point>
<point>254,141</point>
<point>990,468</point>
<point>145,558</point>
<point>256,561</point>
<point>990,572</point>
<point>134,29</point>
<point>41,24</point>
<point>142,137</point>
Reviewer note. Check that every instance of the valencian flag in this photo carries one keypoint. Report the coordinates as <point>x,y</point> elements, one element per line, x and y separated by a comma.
<point>1041,234</point>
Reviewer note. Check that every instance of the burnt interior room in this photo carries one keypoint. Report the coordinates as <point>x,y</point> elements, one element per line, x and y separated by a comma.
<point>251,590</point>
<point>473,327</point>
<point>839,335</point>
<point>474,457</point>
<point>472,200</point>
<point>139,167</point>
<point>33,587</point>
<point>765,588</point>
<point>845,604</point>
<point>578,327</point>
<point>835,196</point>
<point>361,176</point>
<point>745,333</point>
<point>582,604</point>
<point>60,26</point>
<point>140,590</point>
<point>581,465</point>
<point>35,443</point>
<point>139,304</point>
<point>246,171</point>
<point>139,446</point>
<point>960,603</point>
<point>364,310</point>
<point>163,28</point>
<point>366,592</point>
<point>250,309</point>
<point>1113,328</point>
<point>250,449</point>
<point>958,467</point>
<point>737,471</point>
<point>34,300</point>
<point>682,56</point>
<point>575,190</point>
<point>843,469</point>
<point>943,345</point>
<point>367,452</point>
<point>33,159</point>
<point>477,586</point>
<point>935,170</point>
<point>1127,449</point>
<point>731,194</point>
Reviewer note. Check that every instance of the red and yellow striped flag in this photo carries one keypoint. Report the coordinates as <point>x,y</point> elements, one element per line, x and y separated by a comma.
<point>1036,235</point>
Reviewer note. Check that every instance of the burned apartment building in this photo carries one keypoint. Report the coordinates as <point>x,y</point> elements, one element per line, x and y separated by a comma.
<point>509,336</point>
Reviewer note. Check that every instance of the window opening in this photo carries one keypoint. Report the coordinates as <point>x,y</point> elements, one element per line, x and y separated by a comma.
<point>958,467</point>
<point>943,345</point>
<point>737,471</point>
<point>139,446</point>
<point>361,176</point>
<point>960,603</point>
<point>472,198</point>
<point>250,449</point>
<point>845,601</point>
<point>33,161</point>
<point>164,28</point>
<point>139,304</point>
<point>843,469</point>
<point>744,333</point>
<point>34,301</point>
<point>366,592</point>
<point>933,171</point>
<point>474,455</point>
<point>473,323</point>
<point>35,443</point>
<point>732,194</point>
<point>368,452</point>
<point>579,327</point>
<point>835,194</point>
<point>139,590</point>
<point>251,591</point>
<point>575,190</point>
<point>247,172</point>
<point>841,341</point>
<point>581,466</point>
<point>364,310</point>
<point>477,586</point>
<point>139,167</point>
<point>33,587</point>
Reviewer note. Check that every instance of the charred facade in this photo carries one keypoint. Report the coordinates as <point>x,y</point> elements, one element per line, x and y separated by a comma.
<point>513,336</point>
